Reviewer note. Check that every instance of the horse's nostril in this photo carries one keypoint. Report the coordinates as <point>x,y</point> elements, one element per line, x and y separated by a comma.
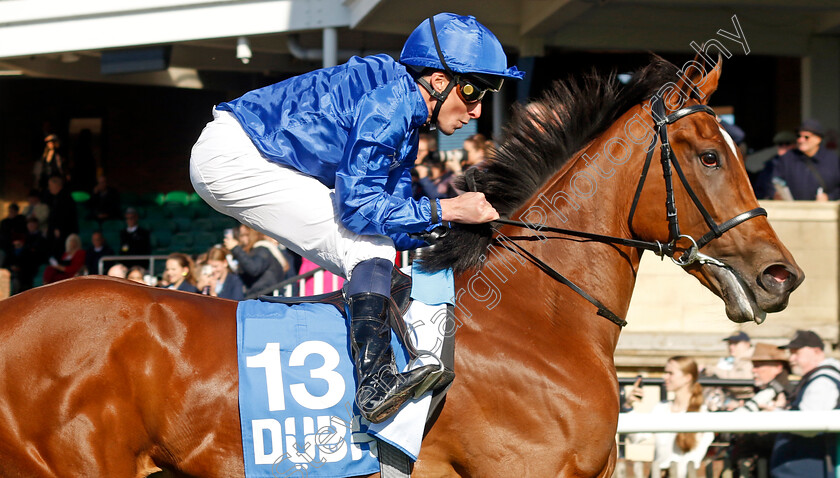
<point>777,273</point>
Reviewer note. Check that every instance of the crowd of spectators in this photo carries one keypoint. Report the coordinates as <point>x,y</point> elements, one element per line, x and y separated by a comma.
<point>59,235</point>
<point>771,366</point>
<point>434,171</point>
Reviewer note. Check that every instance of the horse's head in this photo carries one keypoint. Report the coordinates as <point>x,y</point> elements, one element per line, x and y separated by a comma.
<point>747,265</point>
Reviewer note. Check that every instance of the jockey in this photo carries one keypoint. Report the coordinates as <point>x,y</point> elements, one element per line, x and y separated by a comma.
<point>321,162</point>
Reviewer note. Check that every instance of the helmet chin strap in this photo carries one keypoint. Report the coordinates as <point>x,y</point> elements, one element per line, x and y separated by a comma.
<point>453,78</point>
<point>440,97</point>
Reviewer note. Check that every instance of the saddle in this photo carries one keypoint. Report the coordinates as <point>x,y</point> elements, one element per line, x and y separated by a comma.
<point>400,301</point>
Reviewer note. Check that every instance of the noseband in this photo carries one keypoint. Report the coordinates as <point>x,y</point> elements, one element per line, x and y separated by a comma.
<point>667,158</point>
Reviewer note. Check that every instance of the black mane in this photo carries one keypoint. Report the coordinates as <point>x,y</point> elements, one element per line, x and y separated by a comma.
<point>538,141</point>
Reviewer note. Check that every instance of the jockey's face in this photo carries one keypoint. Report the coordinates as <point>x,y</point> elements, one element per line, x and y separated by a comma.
<point>454,113</point>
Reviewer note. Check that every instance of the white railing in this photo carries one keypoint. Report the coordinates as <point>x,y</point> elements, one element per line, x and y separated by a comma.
<point>731,422</point>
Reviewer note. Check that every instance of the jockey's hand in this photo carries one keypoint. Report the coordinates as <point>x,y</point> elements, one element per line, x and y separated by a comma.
<point>468,208</point>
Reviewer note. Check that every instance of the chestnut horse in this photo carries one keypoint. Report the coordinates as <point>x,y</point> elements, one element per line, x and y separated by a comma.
<point>101,377</point>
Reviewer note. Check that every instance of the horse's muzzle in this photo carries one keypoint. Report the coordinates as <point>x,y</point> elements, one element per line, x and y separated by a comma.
<point>777,281</point>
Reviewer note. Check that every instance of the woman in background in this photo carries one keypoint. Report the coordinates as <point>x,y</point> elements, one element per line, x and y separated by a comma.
<point>178,272</point>
<point>261,264</point>
<point>136,274</point>
<point>681,448</point>
<point>71,263</point>
<point>220,281</point>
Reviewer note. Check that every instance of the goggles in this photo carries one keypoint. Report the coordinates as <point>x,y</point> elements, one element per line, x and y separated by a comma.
<point>471,92</point>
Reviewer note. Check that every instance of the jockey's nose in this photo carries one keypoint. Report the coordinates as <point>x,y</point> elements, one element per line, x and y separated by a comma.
<point>474,110</point>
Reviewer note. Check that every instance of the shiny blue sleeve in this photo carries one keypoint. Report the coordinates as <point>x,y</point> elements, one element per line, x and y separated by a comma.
<point>373,181</point>
<point>404,242</point>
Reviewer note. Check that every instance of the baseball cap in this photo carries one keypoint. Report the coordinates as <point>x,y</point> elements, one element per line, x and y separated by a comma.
<point>804,338</point>
<point>738,337</point>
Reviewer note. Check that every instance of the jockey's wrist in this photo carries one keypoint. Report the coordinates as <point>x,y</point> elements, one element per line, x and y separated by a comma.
<point>445,210</point>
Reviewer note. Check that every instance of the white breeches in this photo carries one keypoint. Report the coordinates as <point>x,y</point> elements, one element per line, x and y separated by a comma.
<point>233,177</point>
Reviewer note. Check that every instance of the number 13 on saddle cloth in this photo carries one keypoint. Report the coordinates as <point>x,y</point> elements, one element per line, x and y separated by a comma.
<point>297,386</point>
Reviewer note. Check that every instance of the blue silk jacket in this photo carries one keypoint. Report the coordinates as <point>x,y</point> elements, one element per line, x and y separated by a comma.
<point>354,127</point>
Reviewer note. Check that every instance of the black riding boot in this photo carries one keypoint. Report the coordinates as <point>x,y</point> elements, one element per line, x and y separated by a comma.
<point>381,389</point>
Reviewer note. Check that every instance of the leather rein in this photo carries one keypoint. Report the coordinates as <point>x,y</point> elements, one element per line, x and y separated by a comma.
<point>667,159</point>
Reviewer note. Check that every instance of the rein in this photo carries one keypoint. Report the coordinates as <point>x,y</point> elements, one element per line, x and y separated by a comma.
<point>667,158</point>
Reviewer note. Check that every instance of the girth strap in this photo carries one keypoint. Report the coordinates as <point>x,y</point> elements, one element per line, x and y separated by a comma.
<point>393,463</point>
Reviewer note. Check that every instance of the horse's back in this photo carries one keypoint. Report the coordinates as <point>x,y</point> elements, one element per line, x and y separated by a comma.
<point>152,370</point>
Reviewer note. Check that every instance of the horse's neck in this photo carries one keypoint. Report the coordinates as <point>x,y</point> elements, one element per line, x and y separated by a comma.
<point>591,194</point>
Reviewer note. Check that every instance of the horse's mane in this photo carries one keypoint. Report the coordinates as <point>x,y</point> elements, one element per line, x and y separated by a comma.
<point>538,141</point>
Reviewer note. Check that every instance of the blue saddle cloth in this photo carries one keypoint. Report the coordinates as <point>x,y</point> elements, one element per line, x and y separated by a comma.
<point>296,393</point>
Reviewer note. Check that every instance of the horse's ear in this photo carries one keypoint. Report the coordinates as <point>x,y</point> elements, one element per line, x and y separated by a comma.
<point>698,79</point>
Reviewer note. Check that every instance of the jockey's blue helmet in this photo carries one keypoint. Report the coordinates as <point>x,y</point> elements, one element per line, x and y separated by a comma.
<point>462,47</point>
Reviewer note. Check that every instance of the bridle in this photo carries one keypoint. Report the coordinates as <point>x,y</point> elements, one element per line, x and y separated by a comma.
<point>667,159</point>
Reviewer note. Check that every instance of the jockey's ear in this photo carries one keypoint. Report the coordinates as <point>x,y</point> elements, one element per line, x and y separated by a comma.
<point>698,79</point>
<point>439,80</point>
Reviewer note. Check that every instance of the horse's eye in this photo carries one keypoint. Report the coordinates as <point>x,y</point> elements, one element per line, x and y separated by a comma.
<point>710,159</point>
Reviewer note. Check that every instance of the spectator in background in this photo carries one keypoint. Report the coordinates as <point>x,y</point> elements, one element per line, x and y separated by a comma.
<point>261,264</point>
<point>70,264</point>
<point>50,164</point>
<point>134,239</point>
<point>806,455</point>
<point>104,201</point>
<point>217,278</point>
<point>476,147</point>
<point>13,225</point>
<point>435,181</point>
<point>761,174</point>
<point>98,249</point>
<point>474,151</point>
<point>427,149</point>
<point>772,392</point>
<point>770,374</point>
<point>63,220</point>
<point>36,243</point>
<point>38,210</point>
<point>29,252</point>
<point>681,448</point>
<point>14,261</point>
<point>137,274</point>
<point>118,270</point>
<point>179,273</point>
<point>737,364</point>
<point>809,171</point>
